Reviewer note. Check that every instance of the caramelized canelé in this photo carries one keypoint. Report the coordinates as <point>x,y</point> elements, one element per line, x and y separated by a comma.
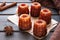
<point>23,8</point>
<point>45,14</point>
<point>35,9</point>
<point>40,28</point>
<point>25,22</point>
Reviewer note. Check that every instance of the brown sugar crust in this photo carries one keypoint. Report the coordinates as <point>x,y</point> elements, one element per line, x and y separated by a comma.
<point>35,9</point>
<point>23,9</point>
<point>45,14</point>
<point>40,28</point>
<point>24,22</point>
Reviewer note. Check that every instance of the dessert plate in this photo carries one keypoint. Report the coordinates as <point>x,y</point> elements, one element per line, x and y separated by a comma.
<point>14,19</point>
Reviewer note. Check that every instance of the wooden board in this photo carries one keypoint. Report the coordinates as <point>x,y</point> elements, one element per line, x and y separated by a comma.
<point>18,35</point>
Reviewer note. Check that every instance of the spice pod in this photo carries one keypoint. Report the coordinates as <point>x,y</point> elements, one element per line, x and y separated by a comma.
<point>8,30</point>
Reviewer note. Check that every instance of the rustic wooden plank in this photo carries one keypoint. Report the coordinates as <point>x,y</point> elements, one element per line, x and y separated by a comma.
<point>20,36</point>
<point>16,36</point>
<point>15,0</point>
<point>13,10</point>
<point>4,22</point>
<point>56,18</point>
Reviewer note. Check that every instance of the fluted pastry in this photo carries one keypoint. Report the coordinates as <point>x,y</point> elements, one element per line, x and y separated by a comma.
<point>23,9</point>
<point>35,9</point>
<point>24,22</point>
<point>45,14</point>
<point>40,28</point>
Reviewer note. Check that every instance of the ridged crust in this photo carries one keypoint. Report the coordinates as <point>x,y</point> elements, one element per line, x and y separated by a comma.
<point>40,28</point>
<point>25,22</point>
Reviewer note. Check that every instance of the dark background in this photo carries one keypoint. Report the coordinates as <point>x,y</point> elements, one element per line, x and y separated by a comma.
<point>18,35</point>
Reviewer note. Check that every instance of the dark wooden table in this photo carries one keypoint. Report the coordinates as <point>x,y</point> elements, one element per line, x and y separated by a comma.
<point>18,35</point>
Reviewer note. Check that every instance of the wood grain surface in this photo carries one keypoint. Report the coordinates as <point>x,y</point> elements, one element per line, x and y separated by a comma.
<point>18,35</point>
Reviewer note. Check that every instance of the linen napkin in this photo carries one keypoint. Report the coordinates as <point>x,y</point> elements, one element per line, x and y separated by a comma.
<point>56,34</point>
<point>50,3</point>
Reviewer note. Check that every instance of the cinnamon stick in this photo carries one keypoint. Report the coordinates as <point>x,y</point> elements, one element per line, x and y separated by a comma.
<point>2,4</point>
<point>8,6</point>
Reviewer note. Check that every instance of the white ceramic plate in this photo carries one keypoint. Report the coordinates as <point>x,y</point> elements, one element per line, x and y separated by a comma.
<point>14,19</point>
